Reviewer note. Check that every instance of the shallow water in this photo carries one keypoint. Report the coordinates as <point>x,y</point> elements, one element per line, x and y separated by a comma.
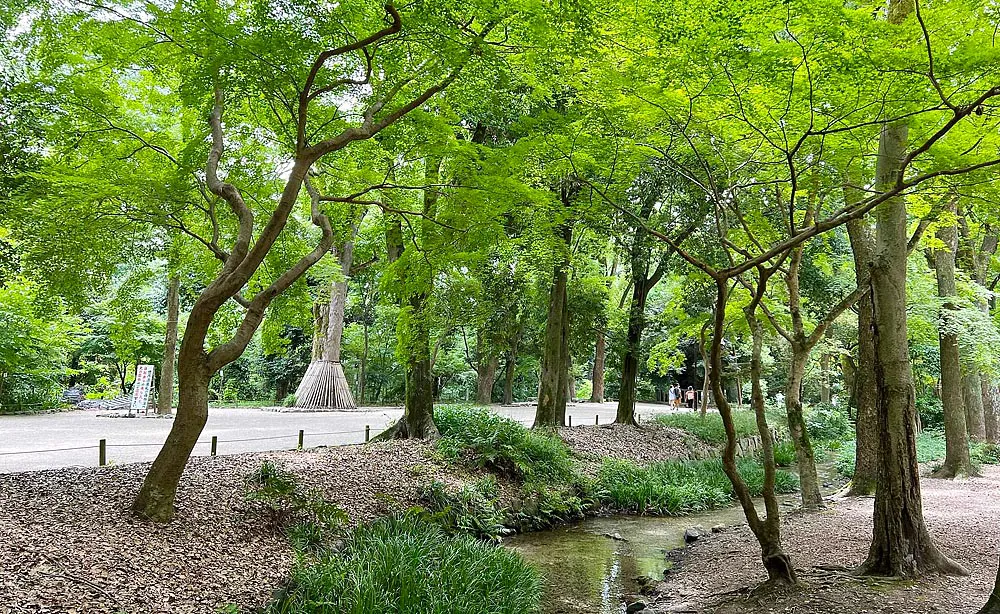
<point>588,570</point>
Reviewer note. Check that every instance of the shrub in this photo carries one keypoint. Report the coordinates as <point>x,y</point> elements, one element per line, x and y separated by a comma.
<point>826,422</point>
<point>407,565</point>
<point>986,454</point>
<point>931,412</point>
<point>483,439</point>
<point>289,400</point>
<point>474,509</point>
<point>678,488</point>
<point>307,517</point>
<point>540,506</point>
<point>710,428</point>
<point>784,454</point>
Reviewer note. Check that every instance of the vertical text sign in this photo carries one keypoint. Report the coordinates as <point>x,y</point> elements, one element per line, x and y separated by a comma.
<point>143,386</point>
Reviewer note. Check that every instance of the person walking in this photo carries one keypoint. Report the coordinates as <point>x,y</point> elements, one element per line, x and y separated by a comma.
<point>672,395</point>
<point>689,396</point>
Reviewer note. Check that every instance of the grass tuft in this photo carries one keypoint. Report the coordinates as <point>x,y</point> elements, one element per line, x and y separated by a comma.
<point>679,488</point>
<point>405,564</point>
<point>480,438</point>
<point>709,428</point>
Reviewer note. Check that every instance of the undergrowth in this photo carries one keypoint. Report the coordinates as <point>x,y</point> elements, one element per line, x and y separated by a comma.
<point>709,428</point>
<point>931,448</point>
<point>405,564</point>
<point>678,488</point>
<point>479,438</point>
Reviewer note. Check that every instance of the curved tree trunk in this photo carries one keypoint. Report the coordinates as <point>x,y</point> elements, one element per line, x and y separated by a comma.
<point>165,399</point>
<point>901,545</point>
<point>956,460</point>
<point>597,377</point>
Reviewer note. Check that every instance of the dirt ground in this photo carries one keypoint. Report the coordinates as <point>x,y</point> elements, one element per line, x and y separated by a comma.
<point>963,518</point>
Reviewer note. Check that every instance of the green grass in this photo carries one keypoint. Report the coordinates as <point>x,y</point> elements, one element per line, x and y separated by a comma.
<point>931,448</point>
<point>784,453</point>
<point>678,488</point>
<point>407,565</point>
<point>710,428</point>
<point>477,437</point>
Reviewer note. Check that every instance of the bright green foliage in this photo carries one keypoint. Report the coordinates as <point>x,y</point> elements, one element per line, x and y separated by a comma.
<point>37,335</point>
<point>474,509</point>
<point>827,422</point>
<point>406,565</point>
<point>476,436</point>
<point>678,488</point>
<point>710,428</point>
<point>930,449</point>
<point>784,454</point>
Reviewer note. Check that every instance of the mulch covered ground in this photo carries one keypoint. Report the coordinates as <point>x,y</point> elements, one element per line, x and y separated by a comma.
<point>647,444</point>
<point>68,543</point>
<point>963,518</point>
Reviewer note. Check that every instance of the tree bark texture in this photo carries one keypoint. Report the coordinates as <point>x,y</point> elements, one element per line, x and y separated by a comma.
<point>991,404</point>
<point>552,398</point>
<point>866,408</point>
<point>956,460</point>
<point>165,399</point>
<point>486,377</point>
<point>805,457</point>
<point>975,413</point>
<point>901,545</point>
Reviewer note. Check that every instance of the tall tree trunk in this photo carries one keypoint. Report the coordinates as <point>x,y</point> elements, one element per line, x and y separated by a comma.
<point>975,413</point>
<point>486,376</point>
<point>866,406</point>
<point>418,410</point>
<point>991,403</point>
<point>324,385</point>
<point>804,455</point>
<point>165,400</point>
<point>551,409</point>
<point>993,605</point>
<point>956,460</point>
<point>633,346</point>
<point>901,545</point>
<point>597,376</point>
<point>510,366</point>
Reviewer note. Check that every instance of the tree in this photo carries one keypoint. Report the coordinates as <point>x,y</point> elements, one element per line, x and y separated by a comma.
<point>165,399</point>
<point>993,605</point>
<point>956,460</point>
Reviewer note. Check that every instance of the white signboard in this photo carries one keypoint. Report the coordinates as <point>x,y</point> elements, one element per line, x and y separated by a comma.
<point>142,387</point>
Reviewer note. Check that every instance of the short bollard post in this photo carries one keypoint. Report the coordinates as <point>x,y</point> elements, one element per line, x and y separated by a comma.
<point>215,444</point>
<point>597,419</point>
<point>302,436</point>
<point>570,420</point>
<point>103,452</point>
<point>368,431</point>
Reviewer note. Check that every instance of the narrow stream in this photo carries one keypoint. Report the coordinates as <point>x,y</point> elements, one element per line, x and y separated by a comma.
<point>591,567</point>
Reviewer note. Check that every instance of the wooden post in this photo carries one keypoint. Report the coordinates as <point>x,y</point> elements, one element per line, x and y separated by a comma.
<point>302,436</point>
<point>103,452</point>
<point>368,430</point>
<point>215,444</point>
<point>597,419</point>
<point>570,420</point>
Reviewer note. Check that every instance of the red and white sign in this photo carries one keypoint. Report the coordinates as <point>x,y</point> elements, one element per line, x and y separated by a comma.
<point>143,386</point>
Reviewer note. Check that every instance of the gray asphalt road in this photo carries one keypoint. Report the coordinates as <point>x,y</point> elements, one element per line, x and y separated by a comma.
<point>29,443</point>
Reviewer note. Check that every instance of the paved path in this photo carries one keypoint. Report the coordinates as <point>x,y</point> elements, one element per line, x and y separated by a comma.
<point>238,430</point>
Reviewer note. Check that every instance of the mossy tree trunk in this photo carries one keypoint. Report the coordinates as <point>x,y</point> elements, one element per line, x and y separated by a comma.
<point>552,397</point>
<point>865,405</point>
